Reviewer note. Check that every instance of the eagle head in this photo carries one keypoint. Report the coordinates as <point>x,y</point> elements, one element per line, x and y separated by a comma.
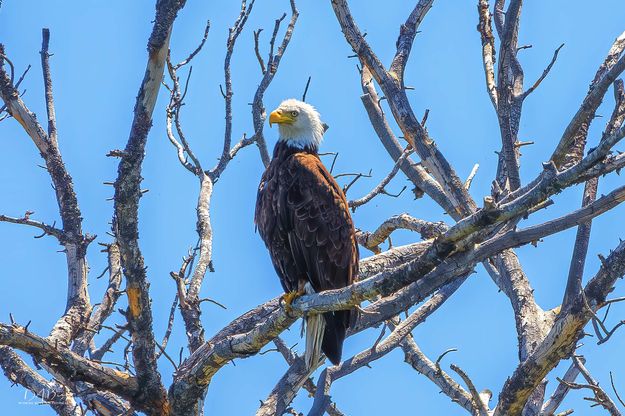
<point>299,124</point>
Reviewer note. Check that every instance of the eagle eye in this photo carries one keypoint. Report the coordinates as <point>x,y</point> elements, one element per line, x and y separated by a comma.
<point>294,113</point>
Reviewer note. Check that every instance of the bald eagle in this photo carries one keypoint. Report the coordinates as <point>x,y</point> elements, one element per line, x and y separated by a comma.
<point>303,218</point>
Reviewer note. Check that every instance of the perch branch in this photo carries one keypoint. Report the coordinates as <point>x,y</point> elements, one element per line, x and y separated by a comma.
<point>427,230</point>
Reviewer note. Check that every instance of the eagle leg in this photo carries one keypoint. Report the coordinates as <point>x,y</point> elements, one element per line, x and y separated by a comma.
<point>288,299</point>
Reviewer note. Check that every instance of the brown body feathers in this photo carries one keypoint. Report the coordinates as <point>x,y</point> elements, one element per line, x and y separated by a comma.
<point>303,218</point>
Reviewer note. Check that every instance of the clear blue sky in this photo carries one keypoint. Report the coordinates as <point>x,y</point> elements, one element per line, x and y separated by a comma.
<point>98,63</point>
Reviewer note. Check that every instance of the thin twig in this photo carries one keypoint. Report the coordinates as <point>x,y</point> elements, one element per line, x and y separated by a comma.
<point>353,204</point>
<point>544,74</point>
<point>306,88</point>
<point>196,50</point>
<point>259,57</point>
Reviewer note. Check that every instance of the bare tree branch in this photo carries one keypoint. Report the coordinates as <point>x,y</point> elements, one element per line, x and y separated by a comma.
<point>544,74</point>
<point>467,183</point>
<point>401,221</point>
<point>17,371</point>
<point>273,62</point>
<point>421,363</point>
<point>580,250</point>
<point>481,407</point>
<point>415,172</point>
<point>391,83</point>
<point>67,363</point>
<point>401,331</point>
<point>78,306</point>
<point>601,397</point>
<point>552,404</point>
<point>407,33</point>
<point>106,346</point>
<point>47,81</point>
<point>125,220</point>
<point>488,49</point>
<point>25,220</point>
<point>421,275</point>
<point>196,50</point>
<point>577,129</point>
<point>233,34</point>
<point>380,187</point>
<point>562,337</point>
<point>509,92</point>
<point>108,302</point>
<point>296,377</point>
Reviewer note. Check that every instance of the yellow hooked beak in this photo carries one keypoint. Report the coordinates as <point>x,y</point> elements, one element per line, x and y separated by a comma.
<point>277,116</point>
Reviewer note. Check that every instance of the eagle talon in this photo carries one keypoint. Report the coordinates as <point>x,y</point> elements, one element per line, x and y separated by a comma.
<point>288,299</point>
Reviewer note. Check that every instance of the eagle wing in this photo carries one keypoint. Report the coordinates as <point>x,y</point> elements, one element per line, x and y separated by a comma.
<point>322,237</point>
<point>303,216</point>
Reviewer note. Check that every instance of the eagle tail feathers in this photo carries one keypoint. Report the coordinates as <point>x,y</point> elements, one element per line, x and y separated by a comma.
<point>336,326</point>
<point>315,328</point>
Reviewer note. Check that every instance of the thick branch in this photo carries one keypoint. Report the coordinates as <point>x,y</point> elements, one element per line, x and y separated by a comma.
<point>580,250</point>
<point>250,333</point>
<point>70,365</point>
<point>577,128</point>
<point>400,332</point>
<point>562,338</point>
<point>407,33</point>
<point>509,91</point>
<point>125,221</point>
<point>17,371</point>
<point>402,221</point>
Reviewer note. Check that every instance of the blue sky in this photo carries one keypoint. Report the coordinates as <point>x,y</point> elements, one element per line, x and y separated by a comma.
<point>98,63</point>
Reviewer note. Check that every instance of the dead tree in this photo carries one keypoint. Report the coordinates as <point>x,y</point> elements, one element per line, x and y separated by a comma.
<point>425,273</point>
